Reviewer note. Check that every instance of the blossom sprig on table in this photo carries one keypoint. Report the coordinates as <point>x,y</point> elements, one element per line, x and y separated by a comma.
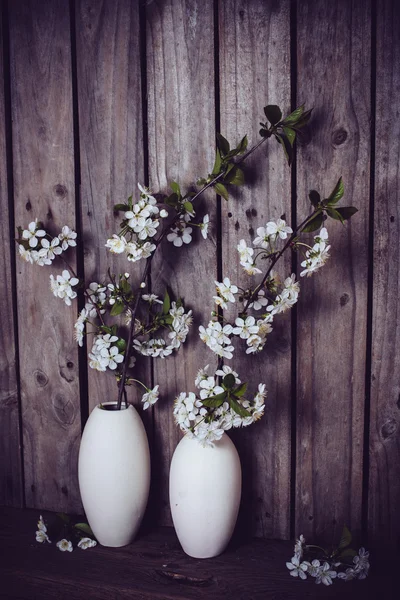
<point>64,525</point>
<point>342,562</point>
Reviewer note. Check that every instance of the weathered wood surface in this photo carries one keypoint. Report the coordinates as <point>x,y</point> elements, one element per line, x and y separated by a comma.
<point>384,475</point>
<point>155,567</point>
<point>111,144</point>
<point>43,156</point>
<point>11,484</point>
<point>333,71</point>
<point>254,72</point>
<point>180,76</point>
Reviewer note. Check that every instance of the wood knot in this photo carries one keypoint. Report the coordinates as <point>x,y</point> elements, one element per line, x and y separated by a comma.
<point>229,214</point>
<point>248,213</point>
<point>344,298</point>
<point>64,490</point>
<point>41,378</point>
<point>388,428</point>
<point>251,231</point>
<point>237,226</point>
<point>339,137</point>
<point>60,190</point>
<point>28,205</point>
<point>392,219</point>
<point>254,212</point>
<point>63,409</point>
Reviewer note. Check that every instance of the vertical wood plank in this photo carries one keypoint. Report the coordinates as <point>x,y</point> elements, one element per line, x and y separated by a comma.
<point>334,77</point>
<point>254,72</point>
<point>44,189</point>
<point>384,477</point>
<point>180,65</point>
<point>11,485</point>
<point>111,142</point>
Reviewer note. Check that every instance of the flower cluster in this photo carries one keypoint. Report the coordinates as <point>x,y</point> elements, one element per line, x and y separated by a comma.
<point>105,353</point>
<point>36,246</point>
<point>138,228</point>
<point>178,322</point>
<point>217,408</point>
<point>62,286</point>
<point>64,545</point>
<point>332,566</point>
<point>316,256</point>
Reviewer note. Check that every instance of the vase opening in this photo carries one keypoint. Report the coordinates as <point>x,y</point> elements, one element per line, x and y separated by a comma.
<point>110,406</point>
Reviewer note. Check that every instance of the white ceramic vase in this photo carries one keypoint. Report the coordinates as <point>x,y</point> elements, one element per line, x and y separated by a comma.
<point>204,489</point>
<point>114,473</point>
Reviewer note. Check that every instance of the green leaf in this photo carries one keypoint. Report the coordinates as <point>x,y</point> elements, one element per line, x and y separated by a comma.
<point>229,381</point>
<point>290,134</point>
<point>235,176</point>
<point>240,391</point>
<point>337,193</point>
<point>125,286</point>
<point>287,148</point>
<point>121,344</point>
<point>294,117</point>
<point>121,207</point>
<point>238,408</point>
<point>334,214</point>
<point>117,309</point>
<point>273,113</point>
<point>346,212</point>
<point>172,200</point>
<point>166,303</point>
<point>242,147</point>
<point>302,122</point>
<point>348,553</point>
<point>223,144</point>
<point>315,198</point>
<point>345,539</point>
<point>315,223</point>
<point>214,401</point>
<point>188,206</point>
<point>64,517</point>
<point>175,188</point>
<point>217,163</point>
<point>130,203</point>
<point>85,528</point>
<point>221,190</point>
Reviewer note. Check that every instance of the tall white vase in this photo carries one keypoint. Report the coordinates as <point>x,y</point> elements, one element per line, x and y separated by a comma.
<point>204,490</point>
<point>114,473</point>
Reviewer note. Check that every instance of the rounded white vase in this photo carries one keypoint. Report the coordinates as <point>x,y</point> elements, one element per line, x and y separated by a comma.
<point>204,489</point>
<point>114,473</point>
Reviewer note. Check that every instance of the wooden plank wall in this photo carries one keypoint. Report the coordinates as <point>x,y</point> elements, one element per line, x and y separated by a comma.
<point>96,96</point>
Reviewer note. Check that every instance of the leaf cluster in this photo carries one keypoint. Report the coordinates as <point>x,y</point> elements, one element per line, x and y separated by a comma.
<point>327,207</point>
<point>284,130</point>
<point>225,167</point>
<point>231,394</point>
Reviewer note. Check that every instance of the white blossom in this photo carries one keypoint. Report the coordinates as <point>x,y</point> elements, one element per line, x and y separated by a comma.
<point>245,328</point>
<point>116,244</point>
<point>51,249</point>
<point>296,568</point>
<point>80,326</point>
<point>33,233</point>
<point>259,301</point>
<point>204,226</point>
<point>326,574</point>
<point>64,545</point>
<point>41,536</point>
<point>150,397</point>
<point>262,239</point>
<point>151,299</point>
<point>62,285</point>
<point>278,228</point>
<point>25,254</point>
<point>180,236</point>
<point>86,543</point>
<point>67,237</point>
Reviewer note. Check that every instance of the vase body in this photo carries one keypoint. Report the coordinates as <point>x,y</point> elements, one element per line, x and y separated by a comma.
<point>114,473</point>
<point>205,489</point>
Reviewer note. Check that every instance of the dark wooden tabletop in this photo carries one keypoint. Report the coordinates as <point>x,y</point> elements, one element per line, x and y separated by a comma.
<point>155,567</point>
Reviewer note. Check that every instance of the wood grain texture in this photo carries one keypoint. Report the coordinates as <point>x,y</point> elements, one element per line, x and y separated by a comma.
<point>384,478</point>
<point>11,484</point>
<point>111,144</point>
<point>333,77</point>
<point>254,72</point>
<point>155,567</point>
<point>180,71</point>
<point>44,188</point>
